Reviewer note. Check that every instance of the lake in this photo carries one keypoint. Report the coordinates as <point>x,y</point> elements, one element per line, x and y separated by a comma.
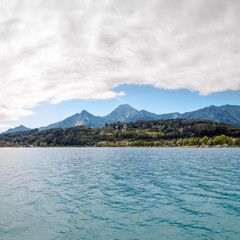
<point>119,193</point>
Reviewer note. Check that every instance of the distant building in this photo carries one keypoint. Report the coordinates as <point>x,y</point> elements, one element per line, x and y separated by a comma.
<point>109,133</point>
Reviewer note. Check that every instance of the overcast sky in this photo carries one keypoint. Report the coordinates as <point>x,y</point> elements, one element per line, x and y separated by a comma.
<point>57,50</point>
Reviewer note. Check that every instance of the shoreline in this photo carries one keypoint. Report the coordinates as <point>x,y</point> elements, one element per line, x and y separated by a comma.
<point>123,147</point>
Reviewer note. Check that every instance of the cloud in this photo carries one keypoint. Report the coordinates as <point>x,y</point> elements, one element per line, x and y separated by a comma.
<point>5,127</point>
<point>52,51</point>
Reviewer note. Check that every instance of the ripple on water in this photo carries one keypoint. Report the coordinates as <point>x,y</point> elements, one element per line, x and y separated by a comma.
<point>119,193</point>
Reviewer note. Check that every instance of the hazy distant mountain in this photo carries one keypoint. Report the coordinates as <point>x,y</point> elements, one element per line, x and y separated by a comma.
<point>121,114</point>
<point>126,113</point>
<point>84,118</point>
<point>145,115</point>
<point>229,114</point>
<point>20,128</point>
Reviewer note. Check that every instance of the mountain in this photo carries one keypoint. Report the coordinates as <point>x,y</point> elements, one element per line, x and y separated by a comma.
<point>84,118</point>
<point>121,114</point>
<point>229,114</point>
<point>145,115</point>
<point>20,128</point>
<point>126,113</point>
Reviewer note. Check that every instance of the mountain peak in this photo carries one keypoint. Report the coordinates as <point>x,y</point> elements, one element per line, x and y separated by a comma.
<point>121,113</point>
<point>125,104</point>
<point>20,128</point>
<point>84,112</point>
<point>125,107</point>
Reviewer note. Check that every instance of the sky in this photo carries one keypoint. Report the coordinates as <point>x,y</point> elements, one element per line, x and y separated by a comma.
<point>58,57</point>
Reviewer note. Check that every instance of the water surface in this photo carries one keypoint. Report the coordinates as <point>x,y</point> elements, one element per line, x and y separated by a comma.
<point>119,193</point>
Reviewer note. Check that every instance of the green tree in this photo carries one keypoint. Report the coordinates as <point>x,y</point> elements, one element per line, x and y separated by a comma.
<point>43,144</point>
<point>205,140</point>
<point>191,142</point>
<point>185,142</point>
<point>229,141</point>
<point>210,142</point>
<point>197,141</point>
<point>223,138</point>
<point>218,140</point>
<point>237,141</point>
<point>180,142</point>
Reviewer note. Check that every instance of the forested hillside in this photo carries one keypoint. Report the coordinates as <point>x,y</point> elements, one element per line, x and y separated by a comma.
<point>174,132</point>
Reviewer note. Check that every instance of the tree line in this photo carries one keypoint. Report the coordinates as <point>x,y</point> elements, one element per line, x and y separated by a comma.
<point>169,132</point>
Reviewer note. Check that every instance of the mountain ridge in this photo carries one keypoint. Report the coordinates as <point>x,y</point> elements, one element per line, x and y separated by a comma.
<point>20,128</point>
<point>229,114</point>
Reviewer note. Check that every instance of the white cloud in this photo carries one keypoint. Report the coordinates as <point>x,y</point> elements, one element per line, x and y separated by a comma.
<point>58,50</point>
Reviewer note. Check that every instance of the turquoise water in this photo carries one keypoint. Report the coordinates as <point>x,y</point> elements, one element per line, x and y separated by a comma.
<point>119,193</point>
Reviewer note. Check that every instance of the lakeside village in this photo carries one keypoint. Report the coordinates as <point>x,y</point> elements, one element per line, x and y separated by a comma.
<point>193,142</point>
